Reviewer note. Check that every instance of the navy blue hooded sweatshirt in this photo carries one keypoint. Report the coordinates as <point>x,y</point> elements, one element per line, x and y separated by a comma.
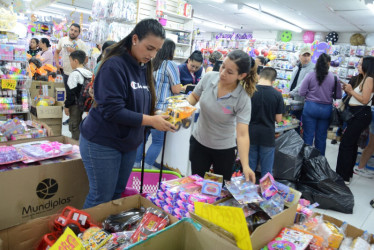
<point>122,97</point>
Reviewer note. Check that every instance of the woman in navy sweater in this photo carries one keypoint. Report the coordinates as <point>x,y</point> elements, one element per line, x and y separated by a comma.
<point>124,103</point>
<point>191,70</point>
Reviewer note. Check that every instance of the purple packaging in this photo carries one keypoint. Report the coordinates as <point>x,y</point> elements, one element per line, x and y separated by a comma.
<point>170,202</point>
<point>172,193</point>
<point>185,206</point>
<point>160,203</point>
<point>160,195</point>
<point>168,209</point>
<point>181,212</point>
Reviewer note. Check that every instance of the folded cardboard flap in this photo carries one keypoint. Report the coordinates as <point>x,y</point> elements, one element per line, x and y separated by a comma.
<point>184,236</point>
<point>29,234</point>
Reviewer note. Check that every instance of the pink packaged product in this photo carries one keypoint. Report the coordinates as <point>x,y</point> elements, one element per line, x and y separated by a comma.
<point>159,203</point>
<point>161,194</point>
<point>201,198</point>
<point>168,209</point>
<point>268,186</point>
<point>170,202</point>
<point>182,191</point>
<point>186,206</point>
<point>180,213</point>
<point>177,182</point>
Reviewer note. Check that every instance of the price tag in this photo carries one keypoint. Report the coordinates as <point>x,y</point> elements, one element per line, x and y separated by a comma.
<point>68,241</point>
<point>8,84</point>
<point>231,219</point>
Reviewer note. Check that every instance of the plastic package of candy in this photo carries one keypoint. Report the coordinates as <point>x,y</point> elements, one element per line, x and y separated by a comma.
<point>153,220</point>
<point>268,187</point>
<point>243,191</point>
<point>165,185</point>
<point>123,221</point>
<point>119,240</point>
<point>95,240</point>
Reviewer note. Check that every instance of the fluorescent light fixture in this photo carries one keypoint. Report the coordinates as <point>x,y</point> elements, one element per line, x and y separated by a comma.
<point>71,8</point>
<point>218,1</point>
<point>370,6</point>
<point>212,25</point>
<point>270,18</point>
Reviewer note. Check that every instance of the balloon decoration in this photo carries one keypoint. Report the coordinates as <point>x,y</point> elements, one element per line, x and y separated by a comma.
<point>357,39</point>
<point>308,37</point>
<point>319,37</point>
<point>370,40</point>
<point>286,36</point>
<point>332,37</point>
<point>257,52</point>
<point>264,52</point>
<point>320,48</point>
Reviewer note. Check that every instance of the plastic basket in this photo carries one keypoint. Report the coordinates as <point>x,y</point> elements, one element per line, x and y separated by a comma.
<point>150,182</point>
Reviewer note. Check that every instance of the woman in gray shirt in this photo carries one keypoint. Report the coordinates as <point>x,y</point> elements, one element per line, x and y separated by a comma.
<point>225,112</point>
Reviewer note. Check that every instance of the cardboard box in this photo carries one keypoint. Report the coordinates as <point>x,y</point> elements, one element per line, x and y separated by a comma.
<point>54,124</point>
<point>37,87</point>
<point>185,235</point>
<point>264,233</point>
<point>37,191</point>
<point>29,234</point>
<point>46,111</point>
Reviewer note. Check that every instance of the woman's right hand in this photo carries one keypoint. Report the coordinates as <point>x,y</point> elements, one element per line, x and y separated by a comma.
<point>159,122</point>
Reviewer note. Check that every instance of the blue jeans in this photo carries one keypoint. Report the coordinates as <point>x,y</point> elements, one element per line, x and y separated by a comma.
<point>316,121</point>
<point>108,171</point>
<point>264,155</point>
<point>153,150</point>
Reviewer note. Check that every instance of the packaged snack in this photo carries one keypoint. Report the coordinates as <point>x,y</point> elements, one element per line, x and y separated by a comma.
<point>153,220</point>
<point>268,187</point>
<point>118,240</point>
<point>212,188</point>
<point>299,239</point>
<point>332,233</point>
<point>123,221</point>
<point>97,240</point>
<point>273,206</point>
<point>177,182</point>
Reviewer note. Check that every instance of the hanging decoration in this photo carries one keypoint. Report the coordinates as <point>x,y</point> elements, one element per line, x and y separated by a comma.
<point>370,40</point>
<point>8,19</point>
<point>286,36</point>
<point>308,36</point>
<point>319,48</point>
<point>357,39</point>
<point>332,37</point>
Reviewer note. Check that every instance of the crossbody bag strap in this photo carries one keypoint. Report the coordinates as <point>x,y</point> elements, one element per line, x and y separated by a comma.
<point>336,86</point>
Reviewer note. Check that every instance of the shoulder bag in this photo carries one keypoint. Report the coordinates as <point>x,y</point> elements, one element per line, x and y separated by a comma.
<point>335,119</point>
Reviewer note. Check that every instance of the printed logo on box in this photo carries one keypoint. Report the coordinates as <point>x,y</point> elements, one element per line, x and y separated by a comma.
<point>45,190</point>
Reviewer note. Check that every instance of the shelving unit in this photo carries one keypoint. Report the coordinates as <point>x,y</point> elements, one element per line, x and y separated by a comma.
<point>172,14</point>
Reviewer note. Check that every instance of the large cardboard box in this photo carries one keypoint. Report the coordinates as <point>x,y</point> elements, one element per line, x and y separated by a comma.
<point>29,234</point>
<point>264,233</point>
<point>54,124</point>
<point>185,235</point>
<point>43,112</point>
<point>37,87</point>
<point>37,191</point>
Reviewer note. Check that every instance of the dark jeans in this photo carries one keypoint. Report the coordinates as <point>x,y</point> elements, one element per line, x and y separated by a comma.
<point>316,120</point>
<point>264,155</point>
<point>75,119</point>
<point>108,171</point>
<point>202,158</point>
<point>348,145</point>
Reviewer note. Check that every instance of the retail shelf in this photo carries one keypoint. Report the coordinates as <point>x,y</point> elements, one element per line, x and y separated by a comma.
<point>183,45</point>
<point>171,14</point>
<point>16,61</point>
<point>176,30</point>
<point>284,69</point>
<point>282,59</point>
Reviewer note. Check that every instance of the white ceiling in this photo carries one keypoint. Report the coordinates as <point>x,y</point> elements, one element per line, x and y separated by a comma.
<point>315,15</point>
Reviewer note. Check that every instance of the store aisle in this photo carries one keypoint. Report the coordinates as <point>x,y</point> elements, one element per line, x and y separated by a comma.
<point>363,213</point>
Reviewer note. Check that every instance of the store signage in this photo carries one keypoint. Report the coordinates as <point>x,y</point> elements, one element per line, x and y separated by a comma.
<point>8,84</point>
<point>233,36</point>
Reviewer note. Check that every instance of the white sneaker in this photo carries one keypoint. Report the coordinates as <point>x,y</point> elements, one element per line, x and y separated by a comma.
<point>363,172</point>
<point>347,183</point>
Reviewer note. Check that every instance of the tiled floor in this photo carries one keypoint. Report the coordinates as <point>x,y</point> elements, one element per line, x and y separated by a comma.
<point>362,189</point>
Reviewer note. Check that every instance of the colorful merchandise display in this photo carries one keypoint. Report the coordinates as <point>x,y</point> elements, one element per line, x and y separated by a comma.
<point>119,231</point>
<point>16,129</point>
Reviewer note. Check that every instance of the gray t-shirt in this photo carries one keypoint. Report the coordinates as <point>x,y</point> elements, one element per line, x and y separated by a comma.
<point>218,117</point>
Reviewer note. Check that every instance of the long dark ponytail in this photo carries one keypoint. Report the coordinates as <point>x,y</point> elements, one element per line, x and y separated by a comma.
<point>142,29</point>
<point>322,67</point>
<point>246,64</point>
<point>165,53</point>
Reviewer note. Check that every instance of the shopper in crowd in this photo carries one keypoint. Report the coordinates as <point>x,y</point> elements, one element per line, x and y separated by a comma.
<point>267,108</point>
<point>261,62</point>
<point>215,57</point>
<point>104,47</point>
<point>304,67</point>
<point>360,98</point>
<point>354,81</point>
<point>124,103</point>
<point>33,47</point>
<point>46,51</point>
<point>73,90</point>
<point>166,76</point>
<point>318,88</point>
<point>191,71</point>
<point>225,112</point>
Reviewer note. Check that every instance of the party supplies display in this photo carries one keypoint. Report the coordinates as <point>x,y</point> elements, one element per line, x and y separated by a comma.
<point>292,239</point>
<point>274,205</point>
<point>44,150</point>
<point>268,187</point>
<point>212,184</point>
<point>16,129</point>
<point>9,154</point>
<point>243,191</point>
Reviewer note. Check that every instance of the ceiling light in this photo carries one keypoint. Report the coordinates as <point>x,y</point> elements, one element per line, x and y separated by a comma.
<point>370,6</point>
<point>66,7</point>
<point>212,25</point>
<point>270,18</point>
<point>218,1</point>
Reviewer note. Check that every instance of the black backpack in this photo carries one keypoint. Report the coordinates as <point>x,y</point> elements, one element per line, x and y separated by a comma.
<point>85,101</point>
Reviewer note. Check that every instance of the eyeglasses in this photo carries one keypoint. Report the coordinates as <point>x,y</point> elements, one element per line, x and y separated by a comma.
<point>194,66</point>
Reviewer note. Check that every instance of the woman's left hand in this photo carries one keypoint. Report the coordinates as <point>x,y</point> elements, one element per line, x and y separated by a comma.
<point>347,88</point>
